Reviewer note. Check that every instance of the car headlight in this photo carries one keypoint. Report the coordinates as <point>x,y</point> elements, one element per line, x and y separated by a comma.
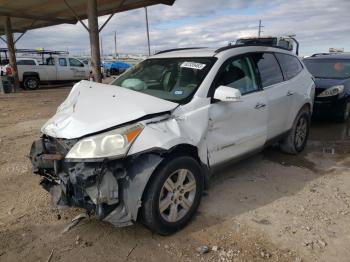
<point>115,143</point>
<point>332,91</point>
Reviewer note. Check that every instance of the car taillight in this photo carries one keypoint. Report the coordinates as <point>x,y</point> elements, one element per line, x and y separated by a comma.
<point>8,71</point>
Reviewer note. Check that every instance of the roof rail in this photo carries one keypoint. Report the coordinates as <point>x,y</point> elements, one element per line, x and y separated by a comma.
<point>245,45</point>
<point>177,49</point>
<point>319,54</point>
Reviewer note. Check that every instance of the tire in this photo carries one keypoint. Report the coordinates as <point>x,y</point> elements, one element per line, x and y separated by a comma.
<point>345,113</point>
<point>31,82</point>
<point>180,205</point>
<point>296,139</point>
<point>114,71</point>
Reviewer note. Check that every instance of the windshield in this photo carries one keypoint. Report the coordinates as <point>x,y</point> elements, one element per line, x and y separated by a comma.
<point>172,79</point>
<point>336,69</point>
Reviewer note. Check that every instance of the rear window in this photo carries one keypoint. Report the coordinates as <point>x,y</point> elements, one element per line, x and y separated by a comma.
<point>290,65</point>
<point>26,62</point>
<point>270,71</point>
<point>328,68</point>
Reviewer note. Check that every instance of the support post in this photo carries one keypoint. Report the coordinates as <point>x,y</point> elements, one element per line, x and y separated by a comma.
<point>94,40</point>
<point>147,28</point>
<point>12,51</point>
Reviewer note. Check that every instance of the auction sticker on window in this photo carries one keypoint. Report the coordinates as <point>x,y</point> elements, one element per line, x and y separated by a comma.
<point>193,65</point>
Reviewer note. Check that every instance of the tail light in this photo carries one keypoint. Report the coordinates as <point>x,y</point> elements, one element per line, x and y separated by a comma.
<point>8,71</point>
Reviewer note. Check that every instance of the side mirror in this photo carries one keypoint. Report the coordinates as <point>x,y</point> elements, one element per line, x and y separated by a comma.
<point>227,94</point>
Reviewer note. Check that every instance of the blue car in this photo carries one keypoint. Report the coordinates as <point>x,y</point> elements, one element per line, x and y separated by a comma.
<point>332,78</point>
<point>115,67</point>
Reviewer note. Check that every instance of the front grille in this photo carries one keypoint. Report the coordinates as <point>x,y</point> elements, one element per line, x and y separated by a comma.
<point>59,145</point>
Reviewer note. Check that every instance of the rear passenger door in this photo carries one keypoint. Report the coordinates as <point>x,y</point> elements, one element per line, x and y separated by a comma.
<point>291,67</point>
<point>276,91</point>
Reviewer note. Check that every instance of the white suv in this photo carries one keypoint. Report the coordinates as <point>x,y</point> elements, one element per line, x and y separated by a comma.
<point>144,146</point>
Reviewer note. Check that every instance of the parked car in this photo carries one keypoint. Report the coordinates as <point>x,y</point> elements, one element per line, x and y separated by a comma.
<point>332,77</point>
<point>55,69</point>
<point>144,146</point>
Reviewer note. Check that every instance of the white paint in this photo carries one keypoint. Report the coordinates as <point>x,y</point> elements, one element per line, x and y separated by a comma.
<point>92,107</point>
<point>220,131</point>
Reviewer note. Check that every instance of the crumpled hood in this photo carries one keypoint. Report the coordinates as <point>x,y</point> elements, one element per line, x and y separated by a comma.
<point>92,107</point>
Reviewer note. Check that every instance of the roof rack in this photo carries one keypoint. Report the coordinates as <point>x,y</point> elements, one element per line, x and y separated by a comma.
<point>221,49</point>
<point>36,51</point>
<point>177,49</point>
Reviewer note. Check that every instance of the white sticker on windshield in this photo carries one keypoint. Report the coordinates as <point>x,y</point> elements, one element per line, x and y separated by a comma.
<point>193,65</point>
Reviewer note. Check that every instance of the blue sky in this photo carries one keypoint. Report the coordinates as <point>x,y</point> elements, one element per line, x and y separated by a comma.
<point>318,25</point>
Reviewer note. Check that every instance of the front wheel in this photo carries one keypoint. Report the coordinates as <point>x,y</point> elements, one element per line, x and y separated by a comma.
<point>296,139</point>
<point>173,195</point>
<point>345,113</point>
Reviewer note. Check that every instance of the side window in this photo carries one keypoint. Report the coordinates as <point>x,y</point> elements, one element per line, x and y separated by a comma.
<point>290,65</point>
<point>238,73</point>
<point>62,62</point>
<point>270,71</point>
<point>25,62</point>
<point>75,63</point>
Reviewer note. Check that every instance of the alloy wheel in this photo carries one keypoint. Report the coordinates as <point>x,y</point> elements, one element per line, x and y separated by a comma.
<point>301,132</point>
<point>177,195</point>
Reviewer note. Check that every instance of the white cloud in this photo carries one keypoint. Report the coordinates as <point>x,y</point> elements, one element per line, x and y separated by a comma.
<point>318,25</point>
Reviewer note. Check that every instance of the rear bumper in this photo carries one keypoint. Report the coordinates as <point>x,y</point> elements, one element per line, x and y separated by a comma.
<point>111,189</point>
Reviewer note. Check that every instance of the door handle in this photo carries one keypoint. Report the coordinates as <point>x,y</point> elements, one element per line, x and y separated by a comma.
<point>259,105</point>
<point>290,93</point>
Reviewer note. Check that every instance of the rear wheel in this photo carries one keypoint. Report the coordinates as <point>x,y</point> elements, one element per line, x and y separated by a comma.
<point>296,139</point>
<point>345,113</point>
<point>173,196</point>
<point>31,82</point>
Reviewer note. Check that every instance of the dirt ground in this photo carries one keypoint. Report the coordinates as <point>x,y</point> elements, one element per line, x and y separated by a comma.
<point>270,207</point>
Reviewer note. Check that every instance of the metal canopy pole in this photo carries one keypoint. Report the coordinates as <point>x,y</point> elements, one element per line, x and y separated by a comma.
<point>94,40</point>
<point>12,50</point>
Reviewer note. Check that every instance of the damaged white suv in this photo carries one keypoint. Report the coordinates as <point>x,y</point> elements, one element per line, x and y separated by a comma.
<point>143,147</point>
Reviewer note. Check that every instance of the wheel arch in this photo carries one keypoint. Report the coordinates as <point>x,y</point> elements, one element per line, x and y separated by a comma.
<point>178,150</point>
<point>31,74</point>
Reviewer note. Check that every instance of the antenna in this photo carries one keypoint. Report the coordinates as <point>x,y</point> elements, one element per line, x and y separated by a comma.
<point>260,26</point>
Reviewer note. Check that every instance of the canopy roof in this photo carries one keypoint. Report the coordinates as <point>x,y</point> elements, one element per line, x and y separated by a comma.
<point>31,14</point>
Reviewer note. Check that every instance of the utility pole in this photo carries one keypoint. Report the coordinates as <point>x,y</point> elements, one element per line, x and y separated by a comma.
<point>260,26</point>
<point>147,27</point>
<point>115,44</point>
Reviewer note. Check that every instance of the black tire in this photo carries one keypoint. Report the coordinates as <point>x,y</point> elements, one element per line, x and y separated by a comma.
<point>151,216</point>
<point>31,82</point>
<point>345,113</point>
<point>114,71</point>
<point>292,143</point>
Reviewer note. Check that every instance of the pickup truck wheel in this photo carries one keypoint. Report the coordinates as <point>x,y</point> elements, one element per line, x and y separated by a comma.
<point>296,139</point>
<point>31,83</point>
<point>173,196</point>
<point>114,71</point>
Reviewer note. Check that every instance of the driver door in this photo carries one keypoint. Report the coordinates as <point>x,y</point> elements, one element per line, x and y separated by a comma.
<point>237,127</point>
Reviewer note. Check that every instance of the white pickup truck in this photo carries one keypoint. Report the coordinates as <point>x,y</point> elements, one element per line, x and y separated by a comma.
<point>54,69</point>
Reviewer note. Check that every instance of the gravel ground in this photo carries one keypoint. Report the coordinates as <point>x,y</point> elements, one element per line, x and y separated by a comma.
<point>270,207</point>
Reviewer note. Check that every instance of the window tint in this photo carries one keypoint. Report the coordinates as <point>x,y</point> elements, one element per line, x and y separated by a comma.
<point>269,69</point>
<point>75,62</point>
<point>290,65</point>
<point>26,62</point>
<point>62,62</point>
<point>238,73</point>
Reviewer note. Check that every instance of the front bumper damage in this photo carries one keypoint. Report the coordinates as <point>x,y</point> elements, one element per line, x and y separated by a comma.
<point>111,189</point>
